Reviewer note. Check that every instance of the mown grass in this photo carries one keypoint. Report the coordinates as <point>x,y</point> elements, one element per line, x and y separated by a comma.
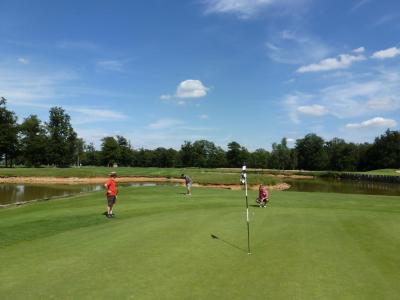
<point>202,176</point>
<point>390,172</point>
<point>304,246</point>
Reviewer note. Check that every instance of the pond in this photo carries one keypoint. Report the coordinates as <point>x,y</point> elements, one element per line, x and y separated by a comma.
<point>344,186</point>
<point>18,193</point>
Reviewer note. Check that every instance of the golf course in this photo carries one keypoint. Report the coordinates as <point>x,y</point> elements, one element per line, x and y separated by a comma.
<point>163,244</point>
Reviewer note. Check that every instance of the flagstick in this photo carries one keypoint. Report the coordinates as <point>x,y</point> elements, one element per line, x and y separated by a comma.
<point>243,179</point>
<point>248,222</point>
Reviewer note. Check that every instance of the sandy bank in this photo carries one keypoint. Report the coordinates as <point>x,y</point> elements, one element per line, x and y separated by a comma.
<point>127,179</point>
<point>82,180</point>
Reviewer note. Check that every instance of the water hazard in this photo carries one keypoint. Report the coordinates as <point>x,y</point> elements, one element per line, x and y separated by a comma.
<point>344,186</point>
<point>19,193</point>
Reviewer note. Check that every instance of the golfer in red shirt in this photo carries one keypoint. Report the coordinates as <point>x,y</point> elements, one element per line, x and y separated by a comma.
<point>111,188</point>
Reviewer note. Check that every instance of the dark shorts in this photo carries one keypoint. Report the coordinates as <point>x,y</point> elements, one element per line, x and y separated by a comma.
<point>111,200</point>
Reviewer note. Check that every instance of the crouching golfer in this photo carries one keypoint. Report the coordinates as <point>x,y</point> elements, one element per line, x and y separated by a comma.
<point>188,182</point>
<point>262,199</point>
<point>111,188</point>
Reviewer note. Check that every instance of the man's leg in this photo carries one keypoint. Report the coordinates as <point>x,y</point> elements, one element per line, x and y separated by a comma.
<point>110,204</point>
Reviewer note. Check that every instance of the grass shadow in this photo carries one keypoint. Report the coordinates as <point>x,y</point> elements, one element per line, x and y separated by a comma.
<point>213,236</point>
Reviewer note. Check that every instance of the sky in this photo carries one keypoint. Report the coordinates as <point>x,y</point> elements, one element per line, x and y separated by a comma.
<point>161,72</point>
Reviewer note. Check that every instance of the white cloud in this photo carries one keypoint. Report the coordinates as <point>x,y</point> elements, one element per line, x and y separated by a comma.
<point>191,88</point>
<point>293,101</point>
<point>387,53</point>
<point>21,86</point>
<point>27,87</point>
<point>341,62</point>
<point>313,110</point>
<point>111,65</point>
<point>382,103</point>
<point>291,47</point>
<point>203,116</point>
<point>354,98</point>
<point>376,92</point>
<point>97,114</point>
<point>242,7</point>
<point>165,97</point>
<point>359,50</point>
<point>386,19</point>
<point>165,123</point>
<point>78,45</point>
<point>23,61</point>
<point>375,122</point>
<point>248,8</point>
<point>360,3</point>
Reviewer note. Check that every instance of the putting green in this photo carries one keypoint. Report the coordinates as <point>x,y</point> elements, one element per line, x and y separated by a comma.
<point>305,246</point>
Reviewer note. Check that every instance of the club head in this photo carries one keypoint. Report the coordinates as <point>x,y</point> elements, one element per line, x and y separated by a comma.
<point>214,236</point>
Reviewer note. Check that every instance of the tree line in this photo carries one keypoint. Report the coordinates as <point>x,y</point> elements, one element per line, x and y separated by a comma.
<point>35,143</point>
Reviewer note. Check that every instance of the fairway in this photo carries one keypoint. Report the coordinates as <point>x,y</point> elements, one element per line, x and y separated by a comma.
<point>159,246</point>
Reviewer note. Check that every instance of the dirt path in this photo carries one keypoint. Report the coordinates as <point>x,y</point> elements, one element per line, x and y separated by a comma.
<point>127,179</point>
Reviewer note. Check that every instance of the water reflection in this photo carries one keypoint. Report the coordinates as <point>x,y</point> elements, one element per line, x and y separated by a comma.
<point>344,186</point>
<point>16,193</point>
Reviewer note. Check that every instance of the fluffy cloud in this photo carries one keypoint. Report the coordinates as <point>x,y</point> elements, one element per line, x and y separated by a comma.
<point>190,88</point>
<point>375,122</point>
<point>387,53</point>
<point>341,62</point>
<point>359,50</point>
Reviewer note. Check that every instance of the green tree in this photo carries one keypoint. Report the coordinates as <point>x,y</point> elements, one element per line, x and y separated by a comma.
<point>341,155</point>
<point>311,153</point>
<point>186,154</point>
<point>62,138</point>
<point>259,159</point>
<point>33,142</point>
<point>164,158</point>
<point>8,134</point>
<point>110,151</point>
<point>293,160</point>
<point>236,155</point>
<point>280,156</point>
<point>126,158</point>
<point>217,159</point>
<point>385,151</point>
<point>206,154</point>
<point>79,151</point>
<point>364,163</point>
<point>91,156</point>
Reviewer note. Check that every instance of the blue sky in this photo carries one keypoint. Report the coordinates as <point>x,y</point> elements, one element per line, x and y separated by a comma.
<point>160,72</point>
